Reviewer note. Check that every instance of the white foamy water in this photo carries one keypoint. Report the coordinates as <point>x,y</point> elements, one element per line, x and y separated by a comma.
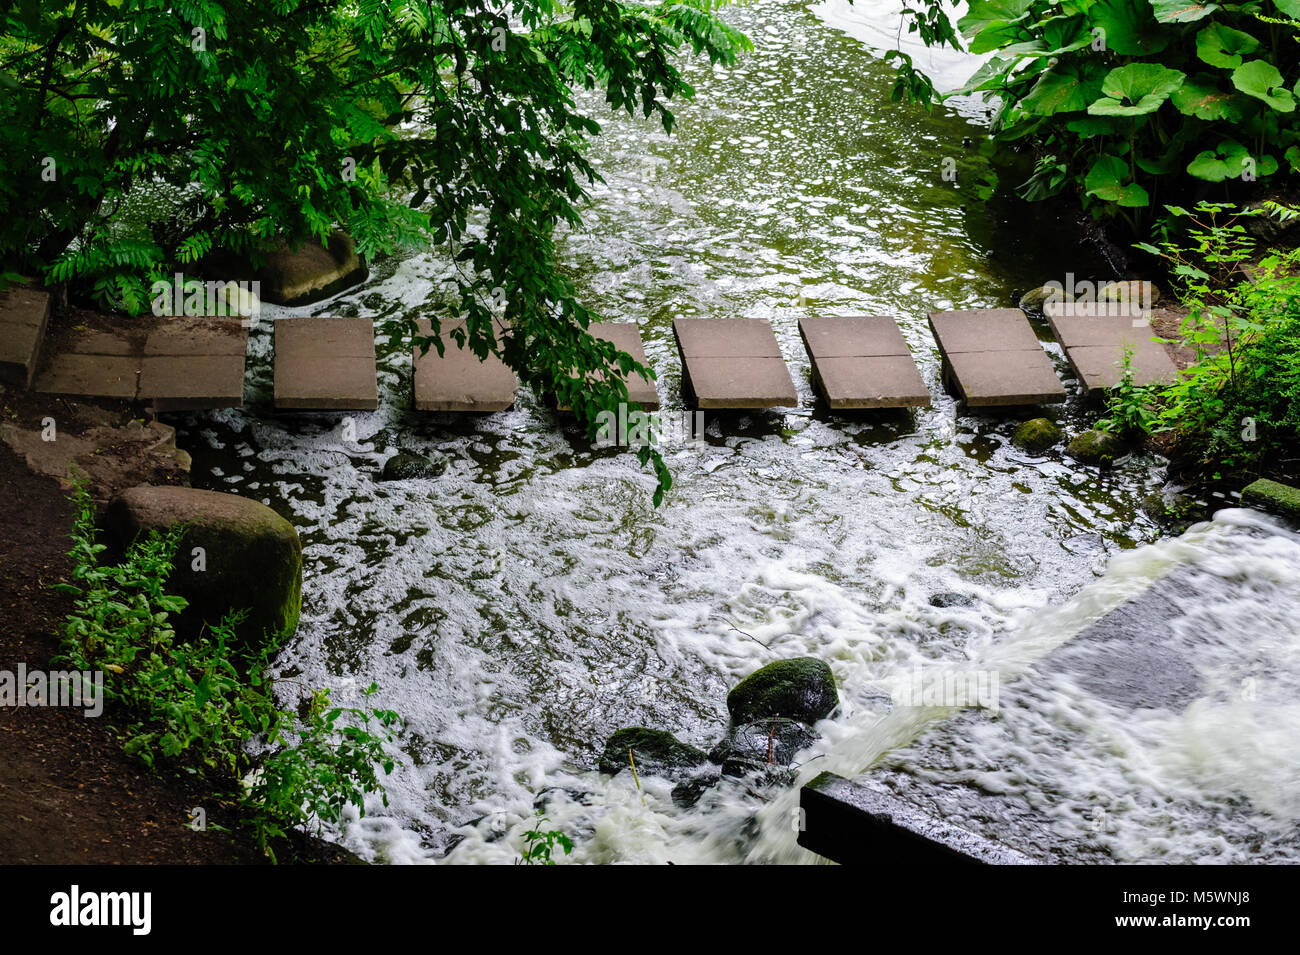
<point>529,601</point>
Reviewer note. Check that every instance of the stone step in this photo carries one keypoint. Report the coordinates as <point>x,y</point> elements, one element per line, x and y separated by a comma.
<point>458,380</point>
<point>325,364</point>
<point>1094,336</point>
<point>862,362</point>
<point>992,358</point>
<point>732,363</point>
<point>626,336</point>
<point>24,316</point>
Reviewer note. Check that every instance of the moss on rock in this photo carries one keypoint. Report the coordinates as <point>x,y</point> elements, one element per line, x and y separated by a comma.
<point>251,557</point>
<point>657,753</point>
<point>801,689</point>
<point>1273,497</point>
<point>1100,448</point>
<point>404,466</point>
<point>1036,435</point>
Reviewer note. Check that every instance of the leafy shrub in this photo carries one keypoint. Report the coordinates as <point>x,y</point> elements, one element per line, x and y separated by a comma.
<point>202,703</point>
<point>1132,102</point>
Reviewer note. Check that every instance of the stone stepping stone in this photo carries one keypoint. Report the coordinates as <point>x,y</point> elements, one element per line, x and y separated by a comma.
<point>733,363</point>
<point>458,380</point>
<point>862,362</point>
<point>992,358</point>
<point>1094,341</point>
<point>194,363</point>
<point>626,336</point>
<point>24,316</point>
<point>325,364</point>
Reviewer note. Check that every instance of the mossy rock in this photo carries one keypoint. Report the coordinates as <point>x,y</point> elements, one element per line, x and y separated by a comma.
<point>1100,448</point>
<point>950,598</point>
<point>1035,299</point>
<point>765,744</point>
<point>251,558</point>
<point>1172,509</point>
<point>405,466</point>
<point>656,752</point>
<point>801,689</point>
<point>1273,497</point>
<point>1036,435</point>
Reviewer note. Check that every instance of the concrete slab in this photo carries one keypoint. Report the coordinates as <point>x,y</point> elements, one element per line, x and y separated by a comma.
<point>457,380</point>
<point>24,316</point>
<point>626,336</point>
<point>198,336</point>
<point>325,364</point>
<point>733,363</point>
<point>1094,345</point>
<point>862,362</point>
<point>89,341</point>
<point>992,358</point>
<point>101,376</point>
<point>192,382</point>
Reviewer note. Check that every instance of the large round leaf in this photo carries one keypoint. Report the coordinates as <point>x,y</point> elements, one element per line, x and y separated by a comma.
<point>1223,46</point>
<point>983,13</point>
<point>1136,89</point>
<point>1182,11</point>
<point>1128,27</point>
<point>1067,88</point>
<point>1107,180</point>
<point>1261,79</point>
<point>1202,97</point>
<point>1290,7</point>
<point>1228,160</point>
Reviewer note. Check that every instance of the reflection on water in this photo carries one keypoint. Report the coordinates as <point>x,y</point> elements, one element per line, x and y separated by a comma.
<point>529,601</point>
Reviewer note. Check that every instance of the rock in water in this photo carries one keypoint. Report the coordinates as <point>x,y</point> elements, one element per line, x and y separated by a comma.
<point>761,745</point>
<point>1036,435</point>
<point>1096,447</point>
<point>801,689</point>
<point>949,598</point>
<point>1273,497</point>
<point>656,752</point>
<point>236,554</point>
<point>405,467</point>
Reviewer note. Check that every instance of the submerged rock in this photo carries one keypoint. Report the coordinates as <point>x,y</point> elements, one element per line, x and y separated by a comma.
<point>1273,497</point>
<point>1034,300</point>
<point>688,792</point>
<point>1172,509</point>
<point>801,689</point>
<point>1036,435</point>
<point>235,554</point>
<point>405,466</point>
<point>948,598</point>
<point>656,752</point>
<point>1100,448</point>
<point>761,745</point>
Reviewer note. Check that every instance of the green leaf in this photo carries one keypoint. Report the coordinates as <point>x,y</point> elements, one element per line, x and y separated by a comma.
<point>1069,87</point>
<point>1136,89</point>
<point>1225,161</point>
<point>1223,46</point>
<point>1261,79</point>
<point>1201,96</point>
<point>1292,155</point>
<point>984,13</point>
<point>1107,180</point>
<point>1182,11</point>
<point>1128,27</point>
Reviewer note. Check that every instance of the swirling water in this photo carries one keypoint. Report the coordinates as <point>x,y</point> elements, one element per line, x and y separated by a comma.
<point>530,600</point>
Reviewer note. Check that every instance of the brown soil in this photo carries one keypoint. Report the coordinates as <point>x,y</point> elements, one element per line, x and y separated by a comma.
<point>68,794</point>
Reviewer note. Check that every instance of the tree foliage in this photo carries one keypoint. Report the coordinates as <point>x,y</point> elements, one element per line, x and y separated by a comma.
<point>405,121</point>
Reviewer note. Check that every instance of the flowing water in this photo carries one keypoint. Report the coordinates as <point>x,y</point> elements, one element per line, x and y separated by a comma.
<point>530,600</point>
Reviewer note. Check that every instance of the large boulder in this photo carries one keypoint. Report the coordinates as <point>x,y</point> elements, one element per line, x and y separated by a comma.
<point>293,273</point>
<point>251,557</point>
<point>1100,448</point>
<point>801,689</point>
<point>656,752</point>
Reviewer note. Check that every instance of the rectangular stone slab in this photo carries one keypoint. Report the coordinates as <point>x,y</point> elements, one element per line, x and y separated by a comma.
<point>992,358</point>
<point>192,382</point>
<point>733,363</point>
<point>458,380</point>
<point>103,376</point>
<point>24,316</point>
<point>198,336</point>
<point>325,364</point>
<point>862,362</point>
<point>1094,345</point>
<point>626,336</point>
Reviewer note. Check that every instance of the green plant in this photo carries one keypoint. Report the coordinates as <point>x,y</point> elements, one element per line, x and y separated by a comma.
<point>1239,403</point>
<point>1128,405</point>
<point>202,703</point>
<point>1132,102</point>
<point>540,843</point>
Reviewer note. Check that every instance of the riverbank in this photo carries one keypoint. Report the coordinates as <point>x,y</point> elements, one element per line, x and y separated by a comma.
<point>69,794</point>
